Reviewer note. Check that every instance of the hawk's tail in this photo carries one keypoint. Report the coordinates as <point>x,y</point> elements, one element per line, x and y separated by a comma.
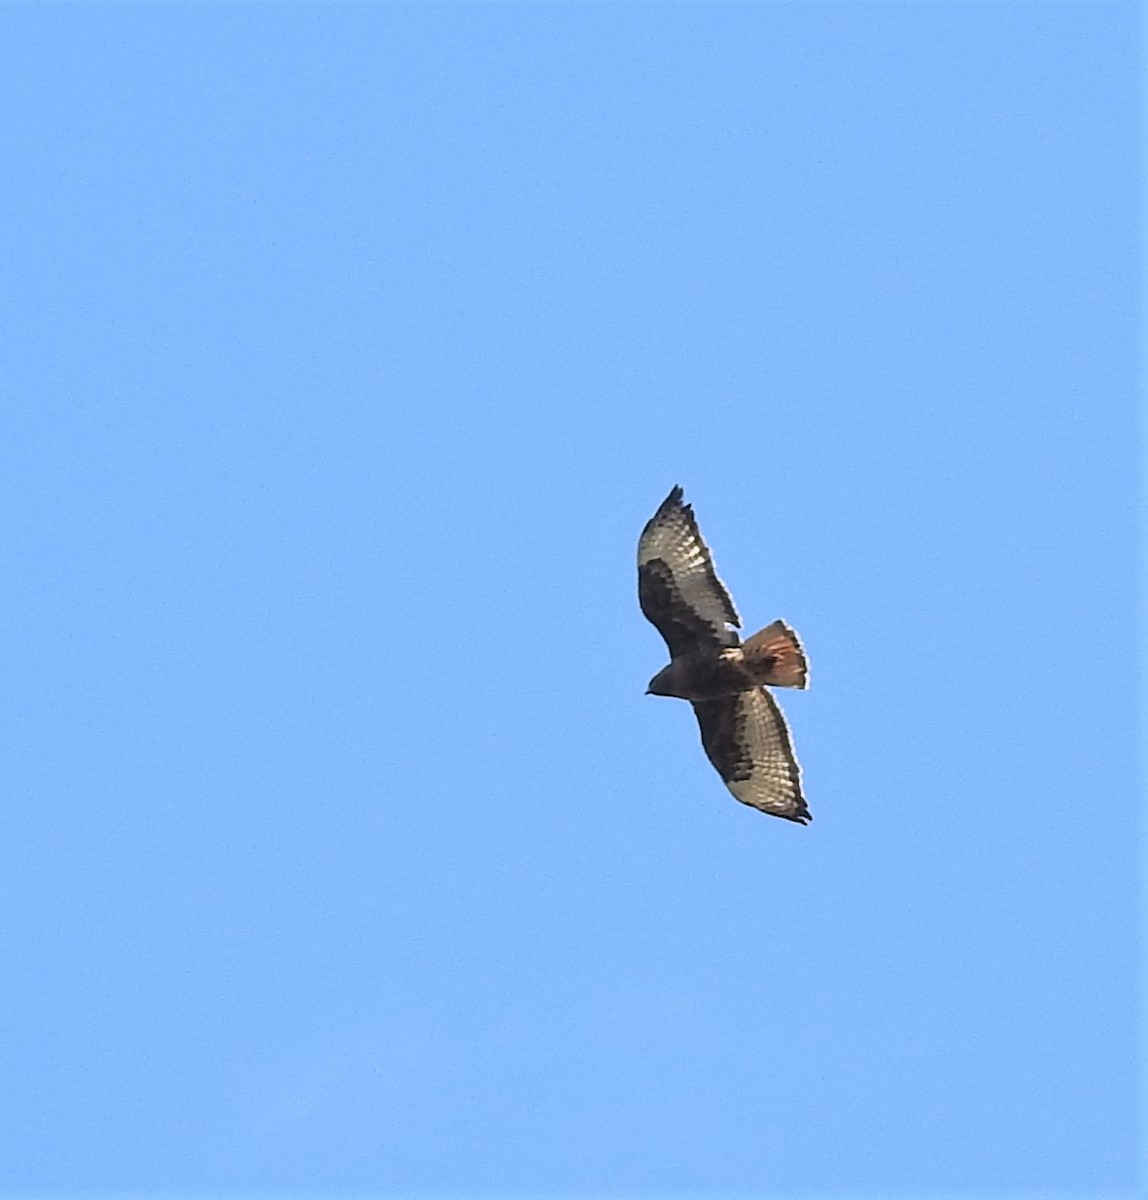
<point>774,656</point>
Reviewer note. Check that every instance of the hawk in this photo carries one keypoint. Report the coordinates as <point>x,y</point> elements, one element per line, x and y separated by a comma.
<point>743,731</point>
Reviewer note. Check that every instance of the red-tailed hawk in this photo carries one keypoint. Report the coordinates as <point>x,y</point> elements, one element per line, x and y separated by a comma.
<point>743,731</point>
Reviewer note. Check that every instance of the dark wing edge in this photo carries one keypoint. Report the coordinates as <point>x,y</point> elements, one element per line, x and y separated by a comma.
<point>682,629</point>
<point>747,739</point>
<point>678,588</point>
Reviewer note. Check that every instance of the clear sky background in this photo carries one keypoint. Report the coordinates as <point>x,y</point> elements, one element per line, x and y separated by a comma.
<point>346,350</point>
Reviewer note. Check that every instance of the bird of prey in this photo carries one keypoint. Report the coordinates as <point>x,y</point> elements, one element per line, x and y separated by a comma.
<point>743,731</point>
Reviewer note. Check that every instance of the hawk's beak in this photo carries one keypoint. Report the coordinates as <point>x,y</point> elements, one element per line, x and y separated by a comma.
<point>648,692</point>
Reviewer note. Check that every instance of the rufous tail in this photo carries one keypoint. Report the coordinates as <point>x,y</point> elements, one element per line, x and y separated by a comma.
<point>774,656</point>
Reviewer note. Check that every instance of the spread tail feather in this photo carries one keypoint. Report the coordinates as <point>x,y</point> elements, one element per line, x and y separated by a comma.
<point>775,657</point>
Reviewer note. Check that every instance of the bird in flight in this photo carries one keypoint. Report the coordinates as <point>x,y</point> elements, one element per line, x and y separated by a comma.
<point>725,679</point>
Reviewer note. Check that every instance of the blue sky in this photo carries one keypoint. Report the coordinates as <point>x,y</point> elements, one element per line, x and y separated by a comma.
<point>346,351</point>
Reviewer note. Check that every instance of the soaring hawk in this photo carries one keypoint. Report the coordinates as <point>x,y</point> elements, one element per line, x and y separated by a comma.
<point>743,731</point>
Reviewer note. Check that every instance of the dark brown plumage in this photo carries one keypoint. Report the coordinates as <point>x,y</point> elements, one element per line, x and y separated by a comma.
<point>743,731</point>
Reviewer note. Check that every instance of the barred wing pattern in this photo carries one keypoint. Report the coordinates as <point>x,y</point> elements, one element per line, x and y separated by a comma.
<point>678,588</point>
<point>746,738</point>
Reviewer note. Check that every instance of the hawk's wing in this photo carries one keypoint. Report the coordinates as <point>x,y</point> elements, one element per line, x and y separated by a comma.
<point>746,738</point>
<point>678,589</point>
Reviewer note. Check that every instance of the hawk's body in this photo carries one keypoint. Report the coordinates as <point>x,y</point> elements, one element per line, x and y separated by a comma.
<point>743,731</point>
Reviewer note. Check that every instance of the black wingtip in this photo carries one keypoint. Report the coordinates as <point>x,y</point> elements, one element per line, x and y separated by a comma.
<point>674,499</point>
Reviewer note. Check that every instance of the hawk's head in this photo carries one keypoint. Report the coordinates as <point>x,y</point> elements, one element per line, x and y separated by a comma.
<point>665,683</point>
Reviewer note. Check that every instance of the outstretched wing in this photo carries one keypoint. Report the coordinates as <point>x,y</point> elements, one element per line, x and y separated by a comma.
<point>747,740</point>
<point>678,589</point>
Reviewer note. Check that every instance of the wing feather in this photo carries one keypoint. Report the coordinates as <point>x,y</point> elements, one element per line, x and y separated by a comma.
<point>746,738</point>
<point>678,588</point>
